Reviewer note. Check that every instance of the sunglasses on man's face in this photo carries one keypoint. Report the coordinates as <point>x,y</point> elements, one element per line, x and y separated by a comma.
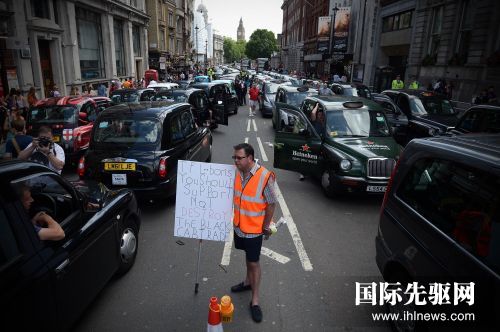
<point>238,157</point>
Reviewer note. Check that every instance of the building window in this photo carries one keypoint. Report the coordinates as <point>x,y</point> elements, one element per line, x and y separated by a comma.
<point>397,22</point>
<point>162,10</point>
<point>171,45</point>
<point>119,47</point>
<point>179,47</point>
<point>133,3</point>
<point>56,13</point>
<point>136,39</point>
<point>7,25</point>
<point>40,9</point>
<point>435,37</point>
<point>162,37</point>
<point>170,19</point>
<point>464,33</point>
<point>90,44</point>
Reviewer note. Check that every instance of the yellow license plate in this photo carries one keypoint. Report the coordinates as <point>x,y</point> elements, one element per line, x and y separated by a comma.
<point>56,138</point>
<point>119,166</point>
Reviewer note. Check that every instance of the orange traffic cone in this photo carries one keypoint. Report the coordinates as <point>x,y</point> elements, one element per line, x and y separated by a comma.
<point>214,319</point>
<point>226,309</point>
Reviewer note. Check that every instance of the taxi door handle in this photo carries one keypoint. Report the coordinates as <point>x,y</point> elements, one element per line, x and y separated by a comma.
<point>61,266</point>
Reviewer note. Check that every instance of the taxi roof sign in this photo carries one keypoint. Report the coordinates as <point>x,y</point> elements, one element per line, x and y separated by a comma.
<point>353,104</point>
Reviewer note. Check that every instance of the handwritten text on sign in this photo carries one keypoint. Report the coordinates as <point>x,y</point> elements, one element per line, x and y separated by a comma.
<point>204,201</point>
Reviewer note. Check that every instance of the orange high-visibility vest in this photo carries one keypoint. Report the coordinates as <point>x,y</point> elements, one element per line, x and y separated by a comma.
<point>249,204</point>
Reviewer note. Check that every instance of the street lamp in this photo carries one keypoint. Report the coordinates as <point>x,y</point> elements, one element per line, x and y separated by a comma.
<point>206,53</point>
<point>332,29</point>
<point>196,28</point>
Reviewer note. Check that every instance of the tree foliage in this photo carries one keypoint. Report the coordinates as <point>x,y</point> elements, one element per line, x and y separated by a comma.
<point>262,44</point>
<point>233,50</point>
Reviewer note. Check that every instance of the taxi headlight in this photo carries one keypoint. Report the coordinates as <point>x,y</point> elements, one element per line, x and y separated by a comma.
<point>345,165</point>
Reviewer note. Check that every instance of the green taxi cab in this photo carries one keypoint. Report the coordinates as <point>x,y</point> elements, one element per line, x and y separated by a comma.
<point>346,143</point>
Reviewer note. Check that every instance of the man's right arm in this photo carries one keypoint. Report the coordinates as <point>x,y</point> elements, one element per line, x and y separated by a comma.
<point>51,230</point>
<point>26,153</point>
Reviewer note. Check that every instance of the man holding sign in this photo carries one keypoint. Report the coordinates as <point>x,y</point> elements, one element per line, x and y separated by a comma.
<point>254,203</point>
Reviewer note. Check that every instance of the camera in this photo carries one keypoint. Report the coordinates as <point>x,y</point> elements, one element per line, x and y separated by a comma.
<point>44,141</point>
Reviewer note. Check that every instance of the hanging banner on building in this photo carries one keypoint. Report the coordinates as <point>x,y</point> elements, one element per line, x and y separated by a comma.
<point>341,29</point>
<point>324,29</point>
<point>204,200</point>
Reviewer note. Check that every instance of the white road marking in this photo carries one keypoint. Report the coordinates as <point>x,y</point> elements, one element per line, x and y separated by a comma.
<point>254,125</point>
<point>262,151</point>
<point>248,125</point>
<point>246,139</point>
<point>274,255</point>
<point>226,255</point>
<point>292,228</point>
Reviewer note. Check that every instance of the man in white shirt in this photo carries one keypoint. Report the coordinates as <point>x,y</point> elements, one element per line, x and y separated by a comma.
<point>44,151</point>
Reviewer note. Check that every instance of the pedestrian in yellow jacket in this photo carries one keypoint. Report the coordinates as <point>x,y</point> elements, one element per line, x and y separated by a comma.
<point>397,84</point>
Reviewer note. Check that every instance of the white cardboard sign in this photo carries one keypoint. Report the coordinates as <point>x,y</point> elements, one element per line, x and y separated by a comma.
<point>204,200</point>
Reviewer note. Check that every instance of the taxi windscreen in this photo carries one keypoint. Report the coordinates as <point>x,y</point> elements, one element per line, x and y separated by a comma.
<point>271,88</point>
<point>356,123</point>
<point>53,114</point>
<point>296,98</point>
<point>127,130</point>
<point>125,97</point>
<point>171,96</point>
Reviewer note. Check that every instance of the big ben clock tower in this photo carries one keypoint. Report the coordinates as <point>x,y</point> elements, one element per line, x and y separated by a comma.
<point>241,31</point>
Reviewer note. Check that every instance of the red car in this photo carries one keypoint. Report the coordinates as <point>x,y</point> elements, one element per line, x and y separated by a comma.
<point>71,120</point>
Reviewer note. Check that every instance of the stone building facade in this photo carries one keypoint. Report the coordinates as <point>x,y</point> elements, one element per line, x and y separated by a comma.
<point>169,33</point>
<point>70,43</point>
<point>394,35</point>
<point>293,34</point>
<point>458,41</point>
<point>218,58</point>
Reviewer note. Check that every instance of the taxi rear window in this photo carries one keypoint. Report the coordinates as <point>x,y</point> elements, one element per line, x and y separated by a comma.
<point>125,97</point>
<point>52,114</point>
<point>127,130</point>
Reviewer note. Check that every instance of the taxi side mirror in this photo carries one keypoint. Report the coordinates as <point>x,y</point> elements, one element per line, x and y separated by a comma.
<point>304,132</point>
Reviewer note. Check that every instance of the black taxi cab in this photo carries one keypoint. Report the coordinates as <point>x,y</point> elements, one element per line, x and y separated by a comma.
<point>349,146</point>
<point>138,145</point>
<point>199,105</point>
<point>290,97</point>
<point>429,114</point>
<point>219,96</point>
<point>131,95</point>
<point>47,285</point>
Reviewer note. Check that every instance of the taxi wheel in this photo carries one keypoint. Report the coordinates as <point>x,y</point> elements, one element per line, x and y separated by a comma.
<point>326,184</point>
<point>128,245</point>
<point>400,308</point>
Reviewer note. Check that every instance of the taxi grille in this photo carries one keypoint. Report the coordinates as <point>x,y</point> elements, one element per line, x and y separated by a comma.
<point>380,168</point>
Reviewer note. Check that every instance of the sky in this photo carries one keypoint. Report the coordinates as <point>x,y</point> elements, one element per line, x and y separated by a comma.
<point>257,14</point>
